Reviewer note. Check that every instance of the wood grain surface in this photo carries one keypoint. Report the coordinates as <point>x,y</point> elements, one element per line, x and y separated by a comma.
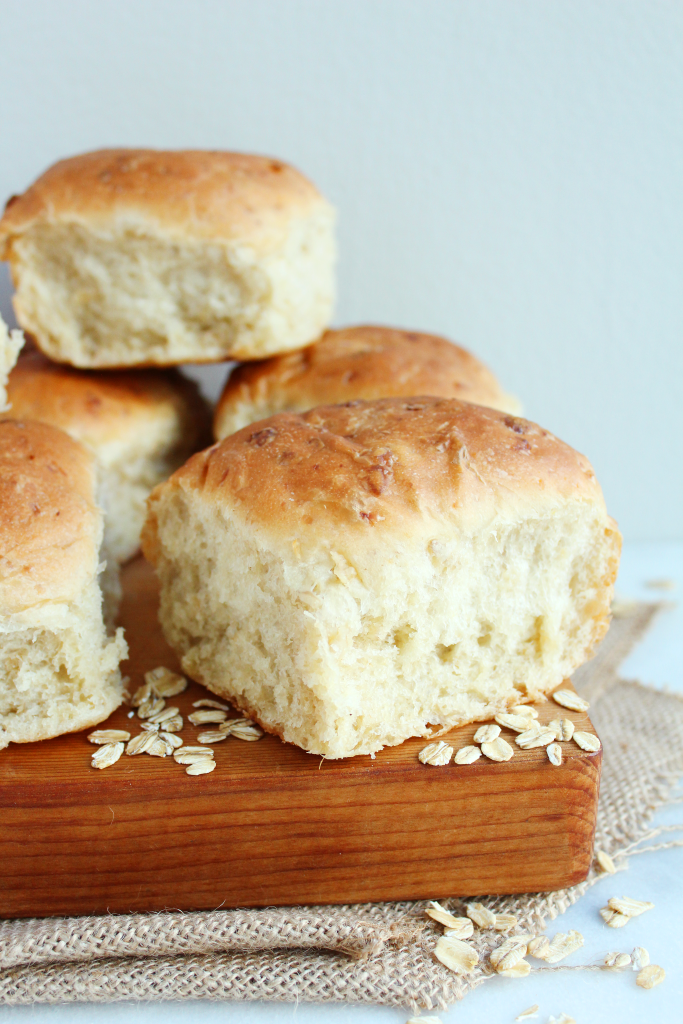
<point>273,825</point>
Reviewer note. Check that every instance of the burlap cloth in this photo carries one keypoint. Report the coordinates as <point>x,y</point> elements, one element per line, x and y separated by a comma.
<point>372,953</point>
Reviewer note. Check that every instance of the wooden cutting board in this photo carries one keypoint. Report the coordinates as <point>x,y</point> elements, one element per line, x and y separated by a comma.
<point>273,825</point>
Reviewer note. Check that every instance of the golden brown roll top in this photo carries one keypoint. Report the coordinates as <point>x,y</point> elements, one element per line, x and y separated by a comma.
<point>357,362</point>
<point>185,193</point>
<point>50,525</point>
<point>389,465</point>
<point>109,407</point>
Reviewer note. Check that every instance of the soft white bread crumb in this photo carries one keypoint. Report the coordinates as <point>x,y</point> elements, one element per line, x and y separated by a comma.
<point>10,346</point>
<point>59,671</point>
<point>352,575</point>
<point>143,257</point>
<point>357,362</point>
<point>140,424</point>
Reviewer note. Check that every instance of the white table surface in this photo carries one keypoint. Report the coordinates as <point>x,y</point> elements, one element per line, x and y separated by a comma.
<point>589,997</point>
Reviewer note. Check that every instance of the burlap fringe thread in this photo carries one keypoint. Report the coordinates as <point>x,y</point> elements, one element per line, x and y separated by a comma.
<point>367,953</point>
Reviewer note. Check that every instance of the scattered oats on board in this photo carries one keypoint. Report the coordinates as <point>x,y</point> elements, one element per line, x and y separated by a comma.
<point>170,739</point>
<point>497,750</point>
<point>467,755</point>
<point>164,716</point>
<point>150,707</point>
<point>157,749</point>
<point>203,767</point>
<point>524,709</point>
<point>616,961</point>
<point>109,736</point>
<point>517,723</point>
<point>141,743</point>
<point>605,862</point>
<point>165,683</point>
<point>554,752</point>
<point>149,727</point>
<point>562,727</point>
<point>507,954</point>
<point>206,703</point>
<point>173,724</point>
<point>640,958</point>
<point>202,751</point>
<point>486,733</point>
<point>142,694</point>
<point>213,736</point>
<point>242,729</point>
<point>587,741</point>
<point>571,700</point>
<point>504,922</point>
<point>629,907</point>
<point>481,915</point>
<point>535,738</point>
<point>107,755</point>
<point>455,954</point>
<point>650,976</point>
<point>207,715</point>
<point>438,753</point>
<point>529,1013</point>
<point>180,757</point>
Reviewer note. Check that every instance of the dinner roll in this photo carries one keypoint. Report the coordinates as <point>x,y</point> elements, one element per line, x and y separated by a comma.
<point>141,425</point>
<point>355,574</point>
<point>59,671</point>
<point>357,362</point>
<point>136,257</point>
<point>10,345</point>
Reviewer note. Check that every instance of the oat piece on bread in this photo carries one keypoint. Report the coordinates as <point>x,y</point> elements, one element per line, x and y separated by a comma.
<point>357,362</point>
<point>140,424</point>
<point>59,671</point>
<point>10,346</point>
<point>135,257</point>
<point>350,575</point>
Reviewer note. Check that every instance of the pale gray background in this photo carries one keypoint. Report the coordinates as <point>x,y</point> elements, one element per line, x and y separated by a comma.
<point>508,172</point>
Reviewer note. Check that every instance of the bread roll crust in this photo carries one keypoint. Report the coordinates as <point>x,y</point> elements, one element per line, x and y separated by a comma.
<point>367,362</point>
<point>50,526</point>
<point>185,193</point>
<point>390,465</point>
<point>100,407</point>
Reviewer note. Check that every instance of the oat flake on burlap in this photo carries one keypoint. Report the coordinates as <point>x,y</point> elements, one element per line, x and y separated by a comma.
<point>367,953</point>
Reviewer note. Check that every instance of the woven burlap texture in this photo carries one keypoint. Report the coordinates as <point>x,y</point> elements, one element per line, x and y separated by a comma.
<point>372,953</point>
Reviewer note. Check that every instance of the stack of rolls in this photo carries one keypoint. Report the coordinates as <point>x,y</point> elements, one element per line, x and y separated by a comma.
<point>376,544</point>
